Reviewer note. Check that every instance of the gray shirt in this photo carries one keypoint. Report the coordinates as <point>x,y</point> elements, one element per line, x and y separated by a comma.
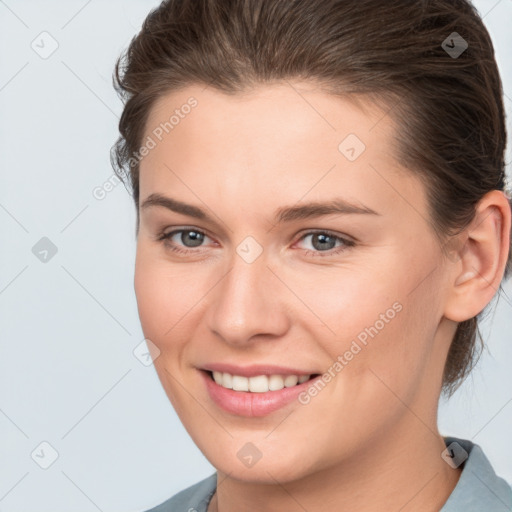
<point>478,489</point>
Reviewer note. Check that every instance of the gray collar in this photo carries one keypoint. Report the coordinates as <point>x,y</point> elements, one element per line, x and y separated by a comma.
<point>479,488</point>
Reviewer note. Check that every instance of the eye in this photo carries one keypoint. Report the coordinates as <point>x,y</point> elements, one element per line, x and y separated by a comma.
<point>188,240</point>
<point>325,242</point>
<point>191,238</point>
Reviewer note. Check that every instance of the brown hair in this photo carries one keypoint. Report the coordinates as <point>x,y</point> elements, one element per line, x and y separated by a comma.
<point>448,108</point>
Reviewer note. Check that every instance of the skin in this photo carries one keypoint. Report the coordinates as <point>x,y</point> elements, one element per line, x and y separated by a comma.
<point>369,440</point>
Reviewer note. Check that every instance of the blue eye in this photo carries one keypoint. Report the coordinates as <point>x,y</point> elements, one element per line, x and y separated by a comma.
<point>323,242</point>
<point>326,240</point>
<point>193,236</point>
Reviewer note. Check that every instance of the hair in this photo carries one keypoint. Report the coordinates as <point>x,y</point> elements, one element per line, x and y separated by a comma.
<point>448,109</point>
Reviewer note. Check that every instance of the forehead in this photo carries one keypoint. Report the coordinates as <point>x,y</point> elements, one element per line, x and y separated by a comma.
<point>294,107</point>
<point>292,136</point>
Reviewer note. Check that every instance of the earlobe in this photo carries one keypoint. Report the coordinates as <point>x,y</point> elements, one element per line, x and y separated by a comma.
<point>480,267</point>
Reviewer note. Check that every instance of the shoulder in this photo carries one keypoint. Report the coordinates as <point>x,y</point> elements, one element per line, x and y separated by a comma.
<point>478,488</point>
<point>192,499</point>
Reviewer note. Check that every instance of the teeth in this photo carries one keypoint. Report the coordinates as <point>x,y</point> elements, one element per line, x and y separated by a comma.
<point>227,380</point>
<point>275,383</point>
<point>259,383</point>
<point>290,380</point>
<point>240,383</point>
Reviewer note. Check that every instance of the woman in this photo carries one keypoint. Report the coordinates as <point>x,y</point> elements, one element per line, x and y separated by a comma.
<point>321,218</point>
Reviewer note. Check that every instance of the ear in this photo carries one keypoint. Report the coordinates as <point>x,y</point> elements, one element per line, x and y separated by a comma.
<point>475,275</point>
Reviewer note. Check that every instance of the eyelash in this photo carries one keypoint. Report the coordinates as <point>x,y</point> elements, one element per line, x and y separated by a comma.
<point>165,238</point>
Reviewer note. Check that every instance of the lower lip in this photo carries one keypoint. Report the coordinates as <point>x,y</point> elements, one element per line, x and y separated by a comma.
<point>244,403</point>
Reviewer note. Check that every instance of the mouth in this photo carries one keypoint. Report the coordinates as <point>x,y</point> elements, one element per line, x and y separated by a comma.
<point>258,383</point>
<point>257,395</point>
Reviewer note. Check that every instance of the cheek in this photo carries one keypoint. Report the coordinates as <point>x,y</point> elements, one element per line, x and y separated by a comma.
<point>161,297</point>
<point>377,325</point>
<point>351,306</point>
<point>170,302</point>
<point>149,291</point>
<point>162,307</point>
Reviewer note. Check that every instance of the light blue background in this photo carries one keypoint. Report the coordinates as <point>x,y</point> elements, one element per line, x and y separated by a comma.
<point>68,327</point>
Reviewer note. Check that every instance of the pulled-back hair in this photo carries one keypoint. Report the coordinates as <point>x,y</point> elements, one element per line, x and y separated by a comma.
<point>447,107</point>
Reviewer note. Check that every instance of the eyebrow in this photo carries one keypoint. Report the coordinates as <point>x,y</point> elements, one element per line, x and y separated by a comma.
<point>281,215</point>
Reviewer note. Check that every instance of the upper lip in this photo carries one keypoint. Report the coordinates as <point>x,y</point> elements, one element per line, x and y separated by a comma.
<point>254,370</point>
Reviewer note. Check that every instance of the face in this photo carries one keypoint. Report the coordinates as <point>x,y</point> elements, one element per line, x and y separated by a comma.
<point>263,289</point>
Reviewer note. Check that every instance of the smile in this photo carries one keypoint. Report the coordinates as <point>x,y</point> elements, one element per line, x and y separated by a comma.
<point>258,383</point>
<point>256,395</point>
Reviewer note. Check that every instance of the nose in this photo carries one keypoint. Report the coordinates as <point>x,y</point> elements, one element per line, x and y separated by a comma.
<point>248,303</point>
